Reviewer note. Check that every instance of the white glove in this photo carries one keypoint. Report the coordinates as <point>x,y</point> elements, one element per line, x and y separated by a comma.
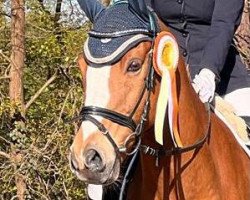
<point>204,85</point>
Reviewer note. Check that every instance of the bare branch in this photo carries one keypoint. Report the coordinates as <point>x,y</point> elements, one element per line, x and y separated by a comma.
<point>41,3</point>
<point>39,28</point>
<point>38,93</point>
<point>43,7</point>
<point>4,56</point>
<point>8,142</point>
<point>3,154</point>
<point>64,104</point>
<point>5,14</point>
<point>4,77</point>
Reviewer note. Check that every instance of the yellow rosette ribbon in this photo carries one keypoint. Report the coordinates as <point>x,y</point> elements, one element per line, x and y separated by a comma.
<point>166,56</point>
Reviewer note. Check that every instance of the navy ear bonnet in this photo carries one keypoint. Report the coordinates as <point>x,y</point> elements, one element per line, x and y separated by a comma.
<point>115,30</point>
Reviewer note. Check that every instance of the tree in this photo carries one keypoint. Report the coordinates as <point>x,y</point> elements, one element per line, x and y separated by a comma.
<point>17,51</point>
<point>16,75</point>
<point>46,87</point>
<point>242,36</point>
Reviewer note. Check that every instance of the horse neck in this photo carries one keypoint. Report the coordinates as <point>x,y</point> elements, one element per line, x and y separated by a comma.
<point>192,116</point>
<point>191,113</point>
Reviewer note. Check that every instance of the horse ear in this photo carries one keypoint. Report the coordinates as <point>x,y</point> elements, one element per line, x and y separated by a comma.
<point>140,7</point>
<point>166,52</point>
<point>91,8</point>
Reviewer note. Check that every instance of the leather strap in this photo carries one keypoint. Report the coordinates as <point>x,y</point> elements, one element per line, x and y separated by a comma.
<point>110,115</point>
<point>103,129</point>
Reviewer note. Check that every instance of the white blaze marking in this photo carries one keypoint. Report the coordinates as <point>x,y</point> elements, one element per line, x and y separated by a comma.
<point>97,94</point>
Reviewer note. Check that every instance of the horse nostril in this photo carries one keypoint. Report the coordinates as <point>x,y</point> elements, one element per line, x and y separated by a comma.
<point>73,162</point>
<point>74,167</point>
<point>93,161</point>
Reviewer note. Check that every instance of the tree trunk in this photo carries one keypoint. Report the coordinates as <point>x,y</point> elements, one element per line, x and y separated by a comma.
<point>242,36</point>
<point>57,17</point>
<point>58,11</point>
<point>16,77</point>
<point>17,51</point>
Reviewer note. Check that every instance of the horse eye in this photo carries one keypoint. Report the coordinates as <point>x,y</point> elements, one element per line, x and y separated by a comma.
<point>134,66</point>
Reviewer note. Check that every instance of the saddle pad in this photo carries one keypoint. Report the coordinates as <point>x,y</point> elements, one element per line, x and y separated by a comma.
<point>224,111</point>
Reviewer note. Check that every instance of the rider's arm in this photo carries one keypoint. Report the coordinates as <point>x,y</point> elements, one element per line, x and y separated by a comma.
<point>225,19</point>
<point>91,8</point>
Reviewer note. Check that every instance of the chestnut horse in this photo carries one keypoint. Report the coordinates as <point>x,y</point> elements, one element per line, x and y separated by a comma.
<point>120,99</point>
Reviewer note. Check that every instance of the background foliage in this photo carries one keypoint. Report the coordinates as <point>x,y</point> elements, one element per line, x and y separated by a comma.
<point>43,143</point>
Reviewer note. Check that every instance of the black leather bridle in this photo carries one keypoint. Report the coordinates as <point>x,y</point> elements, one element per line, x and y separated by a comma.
<point>87,113</point>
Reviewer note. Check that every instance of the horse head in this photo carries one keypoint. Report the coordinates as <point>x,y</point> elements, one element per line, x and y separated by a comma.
<point>121,89</point>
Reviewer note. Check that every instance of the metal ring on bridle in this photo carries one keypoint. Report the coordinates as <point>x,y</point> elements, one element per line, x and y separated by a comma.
<point>136,148</point>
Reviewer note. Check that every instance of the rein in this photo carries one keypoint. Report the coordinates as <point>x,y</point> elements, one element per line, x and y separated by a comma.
<point>179,150</point>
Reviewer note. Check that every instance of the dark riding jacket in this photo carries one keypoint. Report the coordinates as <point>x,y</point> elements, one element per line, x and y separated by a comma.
<point>204,30</point>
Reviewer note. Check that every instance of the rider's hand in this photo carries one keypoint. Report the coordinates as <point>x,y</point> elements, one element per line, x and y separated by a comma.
<point>204,85</point>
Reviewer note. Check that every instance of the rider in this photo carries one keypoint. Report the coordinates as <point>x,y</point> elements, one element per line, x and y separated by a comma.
<point>205,30</point>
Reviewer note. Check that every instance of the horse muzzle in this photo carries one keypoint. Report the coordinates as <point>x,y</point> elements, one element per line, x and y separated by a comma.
<point>94,167</point>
